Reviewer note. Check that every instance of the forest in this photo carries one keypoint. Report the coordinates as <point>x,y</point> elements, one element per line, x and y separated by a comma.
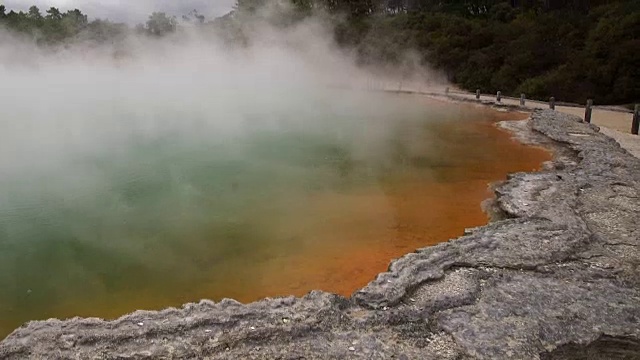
<point>571,49</point>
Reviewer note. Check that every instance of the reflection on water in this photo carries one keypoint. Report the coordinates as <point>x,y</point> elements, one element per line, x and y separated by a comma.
<point>282,207</point>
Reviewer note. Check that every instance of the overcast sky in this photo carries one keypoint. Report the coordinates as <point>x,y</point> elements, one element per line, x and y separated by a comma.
<point>131,11</point>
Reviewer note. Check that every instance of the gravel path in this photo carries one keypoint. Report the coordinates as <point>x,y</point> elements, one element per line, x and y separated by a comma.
<point>615,124</point>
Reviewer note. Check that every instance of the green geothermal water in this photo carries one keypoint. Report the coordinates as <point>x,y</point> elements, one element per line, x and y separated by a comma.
<point>154,219</point>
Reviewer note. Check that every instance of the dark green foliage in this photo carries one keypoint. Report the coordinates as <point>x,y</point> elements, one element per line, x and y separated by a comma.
<point>570,49</point>
<point>54,27</point>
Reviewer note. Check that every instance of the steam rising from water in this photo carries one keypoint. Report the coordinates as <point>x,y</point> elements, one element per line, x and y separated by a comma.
<point>94,99</point>
<point>156,162</point>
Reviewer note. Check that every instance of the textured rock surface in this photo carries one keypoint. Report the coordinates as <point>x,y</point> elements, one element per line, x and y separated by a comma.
<point>557,278</point>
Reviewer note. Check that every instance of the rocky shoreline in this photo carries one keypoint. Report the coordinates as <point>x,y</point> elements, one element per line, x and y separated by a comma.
<point>556,277</point>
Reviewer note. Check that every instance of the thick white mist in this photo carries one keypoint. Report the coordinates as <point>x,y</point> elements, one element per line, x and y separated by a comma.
<point>56,106</point>
<point>180,162</point>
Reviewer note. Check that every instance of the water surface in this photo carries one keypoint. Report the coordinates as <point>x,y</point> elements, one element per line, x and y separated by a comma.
<point>277,206</point>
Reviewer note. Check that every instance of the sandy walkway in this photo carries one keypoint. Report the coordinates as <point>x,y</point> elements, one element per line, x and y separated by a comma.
<point>615,124</point>
<point>630,142</point>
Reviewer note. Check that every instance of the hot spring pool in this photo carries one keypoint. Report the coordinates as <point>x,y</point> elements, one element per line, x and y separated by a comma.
<point>126,218</point>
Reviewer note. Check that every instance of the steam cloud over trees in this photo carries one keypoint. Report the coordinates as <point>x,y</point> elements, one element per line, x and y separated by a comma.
<point>571,49</point>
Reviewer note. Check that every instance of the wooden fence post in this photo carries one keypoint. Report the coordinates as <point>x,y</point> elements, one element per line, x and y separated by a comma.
<point>499,96</point>
<point>587,111</point>
<point>635,125</point>
<point>478,94</point>
<point>552,103</point>
<point>522,98</point>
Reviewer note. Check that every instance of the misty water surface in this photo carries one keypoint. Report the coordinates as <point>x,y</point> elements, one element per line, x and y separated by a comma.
<point>158,218</point>
<point>185,170</point>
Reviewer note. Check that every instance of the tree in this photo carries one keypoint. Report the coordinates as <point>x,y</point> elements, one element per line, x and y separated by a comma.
<point>53,14</point>
<point>160,24</point>
<point>77,18</point>
<point>34,13</point>
<point>3,11</point>
<point>194,17</point>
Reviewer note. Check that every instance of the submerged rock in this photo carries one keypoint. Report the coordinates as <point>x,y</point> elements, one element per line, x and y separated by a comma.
<point>556,278</point>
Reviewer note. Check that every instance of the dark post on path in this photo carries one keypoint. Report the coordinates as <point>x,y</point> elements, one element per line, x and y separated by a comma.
<point>587,111</point>
<point>552,103</point>
<point>522,98</point>
<point>478,94</point>
<point>499,96</point>
<point>635,125</point>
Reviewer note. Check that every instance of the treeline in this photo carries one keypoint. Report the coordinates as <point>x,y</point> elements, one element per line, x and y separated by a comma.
<point>54,27</point>
<point>355,8</point>
<point>571,49</point>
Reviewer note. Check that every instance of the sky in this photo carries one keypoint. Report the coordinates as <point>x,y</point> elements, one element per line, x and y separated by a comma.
<point>130,11</point>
